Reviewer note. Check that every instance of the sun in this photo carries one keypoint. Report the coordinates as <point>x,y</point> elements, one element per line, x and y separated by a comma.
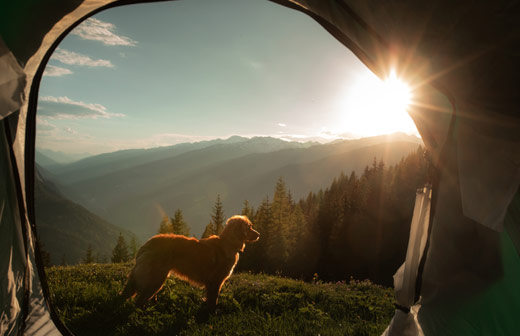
<point>395,93</point>
<point>373,106</point>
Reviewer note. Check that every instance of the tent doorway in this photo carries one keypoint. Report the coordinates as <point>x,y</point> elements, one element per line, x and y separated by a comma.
<point>216,97</point>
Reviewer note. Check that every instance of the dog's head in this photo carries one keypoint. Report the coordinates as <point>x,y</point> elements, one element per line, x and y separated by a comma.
<point>240,229</point>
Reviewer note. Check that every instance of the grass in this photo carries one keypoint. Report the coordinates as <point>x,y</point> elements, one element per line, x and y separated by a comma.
<point>86,299</point>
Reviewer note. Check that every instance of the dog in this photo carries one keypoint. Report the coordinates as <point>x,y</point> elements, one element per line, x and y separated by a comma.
<point>205,263</point>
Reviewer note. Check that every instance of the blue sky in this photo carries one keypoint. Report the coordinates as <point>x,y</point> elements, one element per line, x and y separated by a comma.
<point>151,75</point>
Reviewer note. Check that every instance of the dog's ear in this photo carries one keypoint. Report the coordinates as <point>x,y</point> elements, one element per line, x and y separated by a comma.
<point>238,234</point>
<point>244,227</point>
<point>233,231</point>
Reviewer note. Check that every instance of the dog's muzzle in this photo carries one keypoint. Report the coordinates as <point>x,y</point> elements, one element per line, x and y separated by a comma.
<point>252,236</point>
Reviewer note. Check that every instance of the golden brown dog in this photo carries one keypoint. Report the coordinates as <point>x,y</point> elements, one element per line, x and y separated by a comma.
<point>206,263</point>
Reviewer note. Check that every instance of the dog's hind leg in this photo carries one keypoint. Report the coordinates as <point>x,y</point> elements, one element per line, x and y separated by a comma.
<point>149,285</point>
<point>146,294</point>
<point>129,289</point>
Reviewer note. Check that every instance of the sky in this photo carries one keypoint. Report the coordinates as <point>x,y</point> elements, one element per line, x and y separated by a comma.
<point>157,74</point>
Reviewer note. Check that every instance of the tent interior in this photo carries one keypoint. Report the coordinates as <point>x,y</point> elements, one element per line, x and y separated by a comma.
<point>462,267</point>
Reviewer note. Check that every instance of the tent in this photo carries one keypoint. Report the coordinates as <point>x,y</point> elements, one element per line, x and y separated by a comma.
<point>462,271</point>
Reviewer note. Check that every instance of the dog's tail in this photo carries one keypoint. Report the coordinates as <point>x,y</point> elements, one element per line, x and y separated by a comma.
<point>129,289</point>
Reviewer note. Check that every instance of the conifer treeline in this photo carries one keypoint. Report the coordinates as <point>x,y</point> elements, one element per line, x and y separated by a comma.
<point>358,227</point>
<point>122,252</point>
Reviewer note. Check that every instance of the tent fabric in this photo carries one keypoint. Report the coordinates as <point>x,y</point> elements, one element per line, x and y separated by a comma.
<point>404,321</point>
<point>462,59</point>
<point>492,310</point>
<point>404,280</point>
<point>511,222</point>
<point>485,193</point>
<point>465,262</point>
<point>38,321</point>
<point>12,82</point>
<point>404,324</point>
<point>13,260</point>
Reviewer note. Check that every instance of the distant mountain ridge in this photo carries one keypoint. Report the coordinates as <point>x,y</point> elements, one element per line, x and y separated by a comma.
<point>44,160</point>
<point>133,193</point>
<point>107,163</point>
<point>59,157</point>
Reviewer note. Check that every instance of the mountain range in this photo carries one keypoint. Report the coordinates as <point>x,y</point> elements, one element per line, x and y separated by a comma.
<point>133,188</point>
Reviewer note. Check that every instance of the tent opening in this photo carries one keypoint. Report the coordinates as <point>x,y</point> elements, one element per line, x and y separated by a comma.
<point>173,116</point>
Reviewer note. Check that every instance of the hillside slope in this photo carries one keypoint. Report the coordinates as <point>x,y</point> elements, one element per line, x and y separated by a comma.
<point>67,229</point>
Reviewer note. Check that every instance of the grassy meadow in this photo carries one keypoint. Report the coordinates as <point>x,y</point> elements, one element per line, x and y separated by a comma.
<point>86,299</point>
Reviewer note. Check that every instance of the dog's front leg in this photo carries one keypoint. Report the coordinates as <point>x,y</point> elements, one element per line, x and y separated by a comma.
<point>212,291</point>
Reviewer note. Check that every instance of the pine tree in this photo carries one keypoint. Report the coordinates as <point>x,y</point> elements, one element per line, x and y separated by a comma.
<point>63,261</point>
<point>120,252</point>
<point>179,226</point>
<point>217,218</point>
<point>278,251</point>
<point>89,256</point>
<point>297,228</point>
<point>133,247</point>
<point>248,210</point>
<point>208,231</point>
<point>166,225</point>
<point>265,226</point>
<point>302,244</point>
<point>281,205</point>
<point>290,200</point>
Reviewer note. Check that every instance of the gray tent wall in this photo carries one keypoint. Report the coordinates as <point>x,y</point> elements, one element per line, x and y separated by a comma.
<point>463,62</point>
<point>13,254</point>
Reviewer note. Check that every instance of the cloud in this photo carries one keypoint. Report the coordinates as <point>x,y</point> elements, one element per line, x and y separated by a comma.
<point>47,131</point>
<point>66,108</point>
<point>72,58</point>
<point>282,125</point>
<point>97,30</point>
<point>44,127</point>
<point>55,71</point>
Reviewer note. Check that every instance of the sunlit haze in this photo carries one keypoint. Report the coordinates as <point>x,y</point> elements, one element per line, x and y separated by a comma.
<point>158,74</point>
